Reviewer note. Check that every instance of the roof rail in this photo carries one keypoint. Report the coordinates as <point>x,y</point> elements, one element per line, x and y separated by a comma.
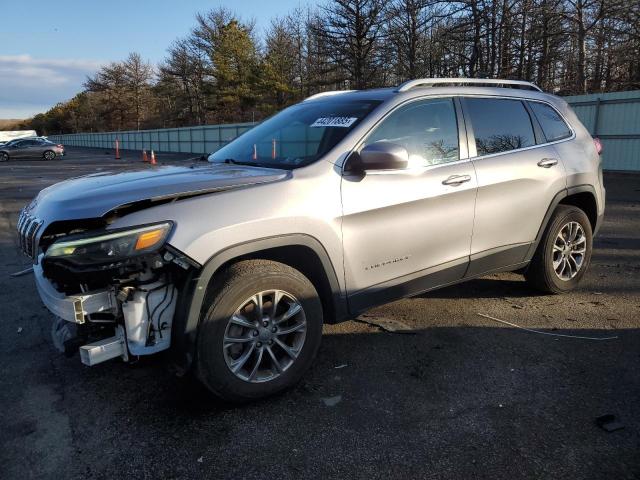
<point>327,94</point>
<point>481,82</point>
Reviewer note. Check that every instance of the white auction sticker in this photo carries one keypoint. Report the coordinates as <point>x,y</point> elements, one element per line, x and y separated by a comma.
<point>343,122</point>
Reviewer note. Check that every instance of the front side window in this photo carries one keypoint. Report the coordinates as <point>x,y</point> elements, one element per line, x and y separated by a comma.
<point>499,125</point>
<point>428,129</point>
<point>551,122</point>
<point>297,136</point>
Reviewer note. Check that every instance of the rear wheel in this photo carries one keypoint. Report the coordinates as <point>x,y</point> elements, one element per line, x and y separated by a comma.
<point>564,254</point>
<point>49,155</point>
<point>261,331</point>
<point>4,156</point>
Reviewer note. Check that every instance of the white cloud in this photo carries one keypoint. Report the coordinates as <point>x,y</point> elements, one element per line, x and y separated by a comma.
<point>34,85</point>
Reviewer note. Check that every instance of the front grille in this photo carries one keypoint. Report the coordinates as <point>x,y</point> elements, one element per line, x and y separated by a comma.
<point>28,227</point>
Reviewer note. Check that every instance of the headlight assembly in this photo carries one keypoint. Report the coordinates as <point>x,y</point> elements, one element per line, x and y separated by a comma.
<point>108,247</point>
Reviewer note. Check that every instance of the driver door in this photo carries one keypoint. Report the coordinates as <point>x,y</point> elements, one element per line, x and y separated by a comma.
<point>19,149</point>
<point>406,231</point>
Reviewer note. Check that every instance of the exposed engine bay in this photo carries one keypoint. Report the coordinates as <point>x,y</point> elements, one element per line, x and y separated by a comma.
<point>113,294</point>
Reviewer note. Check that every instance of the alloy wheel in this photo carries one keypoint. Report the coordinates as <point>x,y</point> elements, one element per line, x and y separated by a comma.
<point>264,336</point>
<point>569,249</point>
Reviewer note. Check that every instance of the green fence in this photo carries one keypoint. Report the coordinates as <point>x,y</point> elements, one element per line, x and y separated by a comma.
<point>203,139</point>
<point>613,117</point>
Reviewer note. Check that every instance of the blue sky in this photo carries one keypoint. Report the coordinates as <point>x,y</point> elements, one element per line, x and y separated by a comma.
<point>47,48</point>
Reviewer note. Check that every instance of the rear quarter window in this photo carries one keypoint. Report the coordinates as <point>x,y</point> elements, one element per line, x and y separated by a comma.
<point>552,124</point>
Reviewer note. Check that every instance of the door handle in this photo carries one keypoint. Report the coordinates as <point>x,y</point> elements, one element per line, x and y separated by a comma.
<point>547,162</point>
<point>455,180</point>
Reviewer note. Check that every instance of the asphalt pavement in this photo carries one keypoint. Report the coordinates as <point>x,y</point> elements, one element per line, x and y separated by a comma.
<point>457,396</point>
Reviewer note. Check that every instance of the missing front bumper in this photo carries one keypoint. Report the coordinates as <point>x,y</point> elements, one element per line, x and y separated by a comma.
<point>142,318</point>
<point>72,308</point>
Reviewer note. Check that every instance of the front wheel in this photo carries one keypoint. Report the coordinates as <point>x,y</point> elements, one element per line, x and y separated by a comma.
<point>49,155</point>
<point>261,331</point>
<point>4,157</point>
<point>564,254</point>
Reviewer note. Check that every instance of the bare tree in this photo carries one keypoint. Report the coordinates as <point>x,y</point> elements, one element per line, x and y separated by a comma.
<point>138,76</point>
<point>182,81</point>
<point>110,85</point>
<point>352,30</point>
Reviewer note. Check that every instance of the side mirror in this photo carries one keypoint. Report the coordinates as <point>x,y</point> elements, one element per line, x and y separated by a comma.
<point>382,156</point>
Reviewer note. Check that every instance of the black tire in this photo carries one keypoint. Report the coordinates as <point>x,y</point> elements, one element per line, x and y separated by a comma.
<point>49,155</point>
<point>4,157</point>
<point>231,289</point>
<point>541,273</point>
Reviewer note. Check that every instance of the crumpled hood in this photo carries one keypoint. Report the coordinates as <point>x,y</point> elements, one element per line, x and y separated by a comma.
<point>95,195</point>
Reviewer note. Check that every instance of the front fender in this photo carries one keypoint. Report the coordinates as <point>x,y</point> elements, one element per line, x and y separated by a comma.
<point>190,307</point>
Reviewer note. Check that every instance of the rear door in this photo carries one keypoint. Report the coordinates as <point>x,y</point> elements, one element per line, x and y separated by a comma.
<point>518,172</point>
<point>408,230</point>
<point>39,147</point>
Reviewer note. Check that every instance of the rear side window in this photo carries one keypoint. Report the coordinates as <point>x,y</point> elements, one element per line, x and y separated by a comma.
<point>553,127</point>
<point>499,125</point>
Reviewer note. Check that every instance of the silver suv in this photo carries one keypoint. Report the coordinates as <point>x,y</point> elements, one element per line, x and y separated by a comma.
<point>344,201</point>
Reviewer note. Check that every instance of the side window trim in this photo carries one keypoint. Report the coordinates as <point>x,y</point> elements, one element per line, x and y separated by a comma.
<point>463,136</point>
<point>471,137</point>
<point>537,128</point>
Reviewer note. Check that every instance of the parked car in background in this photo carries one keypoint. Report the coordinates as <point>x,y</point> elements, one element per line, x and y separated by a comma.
<point>34,147</point>
<point>13,141</point>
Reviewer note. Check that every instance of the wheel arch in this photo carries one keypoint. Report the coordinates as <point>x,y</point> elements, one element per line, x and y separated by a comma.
<point>581,196</point>
<point>300,251</point>
<point>585,200</point>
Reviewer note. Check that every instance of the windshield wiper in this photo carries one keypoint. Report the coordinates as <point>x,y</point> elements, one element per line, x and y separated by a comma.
<point>232,161</point>
<point>238,162</point>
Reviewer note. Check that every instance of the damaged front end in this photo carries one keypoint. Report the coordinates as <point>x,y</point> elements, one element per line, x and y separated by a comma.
<point>113,291</point>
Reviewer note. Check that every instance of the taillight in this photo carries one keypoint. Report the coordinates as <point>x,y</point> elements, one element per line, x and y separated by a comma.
<point>598,143</point>
<point>60,146</point>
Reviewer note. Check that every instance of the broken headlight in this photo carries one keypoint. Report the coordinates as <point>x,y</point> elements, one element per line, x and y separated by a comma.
<point>110,246</point>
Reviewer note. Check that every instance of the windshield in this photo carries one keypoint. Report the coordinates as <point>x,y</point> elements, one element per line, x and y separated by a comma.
<point>297,136</point>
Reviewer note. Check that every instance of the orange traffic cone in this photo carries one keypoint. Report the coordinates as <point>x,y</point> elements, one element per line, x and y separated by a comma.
<point>145,159</point>
<point>117,149</point>
<point>153,158</point>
